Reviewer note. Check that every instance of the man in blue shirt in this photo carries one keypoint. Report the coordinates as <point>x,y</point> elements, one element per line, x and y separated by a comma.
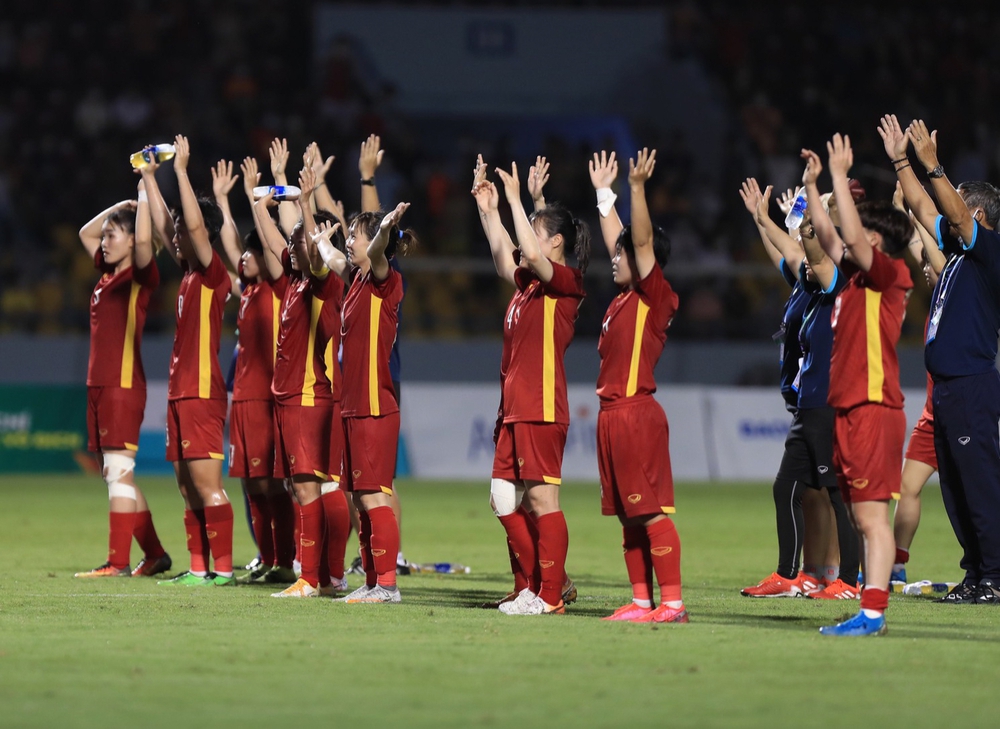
<point>960,354</point>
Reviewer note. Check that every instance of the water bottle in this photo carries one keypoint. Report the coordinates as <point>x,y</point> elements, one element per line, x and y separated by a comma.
<point>144,156</point>
<point>282,193</point>
<point>926,587</point>
<point>794,218</point>
<point>444,568</point>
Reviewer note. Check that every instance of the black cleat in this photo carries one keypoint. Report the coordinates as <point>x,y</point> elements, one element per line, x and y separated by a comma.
<point>961,594</point>
<point>987,593</point>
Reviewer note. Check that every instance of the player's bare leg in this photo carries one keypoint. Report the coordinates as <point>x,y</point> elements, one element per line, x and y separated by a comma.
<point>907,517</point>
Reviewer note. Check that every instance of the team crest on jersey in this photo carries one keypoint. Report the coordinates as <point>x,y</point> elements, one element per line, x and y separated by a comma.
<point>634,498</point>
<point>356,474</point>
<point>859,483</point>
<point>255,462</point>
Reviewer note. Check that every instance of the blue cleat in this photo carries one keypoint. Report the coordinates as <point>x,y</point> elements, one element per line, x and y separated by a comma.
<point>860,624</point>
<point>898,576</point>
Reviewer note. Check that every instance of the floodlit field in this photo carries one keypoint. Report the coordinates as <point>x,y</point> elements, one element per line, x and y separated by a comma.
<point>127,653</point>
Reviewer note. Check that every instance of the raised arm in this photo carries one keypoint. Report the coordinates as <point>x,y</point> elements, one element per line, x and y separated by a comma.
<point>223,180</point>
<point>787,246</point>
<point>953,207</point>
<point>538,175</point>
<point>639,171</point>
<point>823,263</point>
<point>603,172</point>
<point>321,195</point>
<point>487,201</point>
<point>750,194</point>
<point>334,259</point>
<point>928,242</point>
<point>841,157</point>
<point>163,222</point>
<point>527,241</point>
<point>142,255</point>
<point>307,183</point>
<point>201,244</point>
<point>91,233</point>
<point>896,141</point>
<point>368,162</point>
<point>376,248</point>
<point>288,213</point>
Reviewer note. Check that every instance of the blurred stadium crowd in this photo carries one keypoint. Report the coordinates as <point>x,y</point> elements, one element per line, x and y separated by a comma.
<point>86,84</point>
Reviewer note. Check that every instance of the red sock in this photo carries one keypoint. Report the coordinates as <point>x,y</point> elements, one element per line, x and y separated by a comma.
<point>384,544</point>
<point>665,553</point>
<point>873,599</point>
<point>902,555</point>
<point>197,539</point>
<point>282,528</point>
<point>297,508</point>
<point>310,540</point>
<point>145,534</point>
<point>120,527</point>
<point>553,543</point>
<point>520,581</point>
<point>521,544</point>
<point>260,513</point>
<point>365,544</point>
<point>338,529</point>
<point>635,545</point>
<point>536,576</point>
<point>219,527</point>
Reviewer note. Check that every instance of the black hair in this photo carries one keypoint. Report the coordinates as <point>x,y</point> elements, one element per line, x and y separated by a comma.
<point>893,225</point>
<point>982,195</point>
<point>556,219</point>
<point>401,242</point>
<point>252,242</point>
<point>661,244</point>
<point>211,215</point>
<point>124,219</point>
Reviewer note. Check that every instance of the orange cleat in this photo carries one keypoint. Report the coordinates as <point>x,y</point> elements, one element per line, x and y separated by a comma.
<point>664,614</point>
<point>837,590</point>
<point>773,585</point>
<point>106,570</point>
<point>808,584</point>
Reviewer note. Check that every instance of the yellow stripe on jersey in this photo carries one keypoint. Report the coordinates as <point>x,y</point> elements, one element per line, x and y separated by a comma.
<point>633,368</point>
<point>331,373</point>
<point>374,317</point>
<point>309,378</point>
<point>128,348</point>
<point>275,325</point>
<point>873,334</point>
<point>549,361</point>
<point>205,345</point>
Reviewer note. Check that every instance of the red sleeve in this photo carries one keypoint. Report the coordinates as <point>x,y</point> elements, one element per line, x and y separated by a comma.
<point>327,286</point>
<point>883,273</point>
<point>280,285</point>
<point>216,274</point>
<point>565,281</point>
<point>659,293</point>
<point>387,286</point>
<point>149,276</point>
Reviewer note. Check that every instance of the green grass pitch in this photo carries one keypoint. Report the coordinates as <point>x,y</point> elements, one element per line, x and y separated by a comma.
<point>127,653</point>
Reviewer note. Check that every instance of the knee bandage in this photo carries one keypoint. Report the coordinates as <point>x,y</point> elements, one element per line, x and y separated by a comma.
<point>505,496</point>
<point>115,468</point>
<point>329,487</point>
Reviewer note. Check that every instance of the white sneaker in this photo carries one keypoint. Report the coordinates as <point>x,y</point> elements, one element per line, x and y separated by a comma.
<point>352,597</point>
<point>377,594</point>
<point>526,603</point>
<point>300,589</point>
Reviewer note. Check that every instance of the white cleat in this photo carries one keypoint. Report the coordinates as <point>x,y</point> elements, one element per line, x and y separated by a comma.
<point>359,593</point>
<point>300,589</point>
<point>377,594</point>
<point>526,603</point>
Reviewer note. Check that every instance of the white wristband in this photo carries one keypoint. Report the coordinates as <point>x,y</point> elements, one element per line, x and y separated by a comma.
<point>605,200</point>
<point>143,197</point>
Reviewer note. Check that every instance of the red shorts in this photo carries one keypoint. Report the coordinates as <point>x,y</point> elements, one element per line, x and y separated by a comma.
<point>921,445</point>
<point>370,453</point>
<point>336,443</point>
<point>530,452</point>
<point>114,416</point>
<point>302,440</point>
<point>194,429</point>
<point>868,452</point>
<point>633,456</point>
<point>251,439</point>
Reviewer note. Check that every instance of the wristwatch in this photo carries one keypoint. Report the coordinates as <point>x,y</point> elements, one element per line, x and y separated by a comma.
<point>371,181</point>
<point>936,172</point>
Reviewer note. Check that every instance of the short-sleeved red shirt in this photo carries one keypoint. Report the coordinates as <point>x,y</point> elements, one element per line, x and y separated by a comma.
<point>117,317</point>
<point>632,337</point>
<point>258,320</point>
<point>310,316</point>
<point>369,330</point>
<point>866,322</point>
<point>537,330</point>
<point>194,364</point>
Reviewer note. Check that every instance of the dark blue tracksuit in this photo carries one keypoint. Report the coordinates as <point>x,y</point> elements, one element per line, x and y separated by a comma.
<point>960,355</point>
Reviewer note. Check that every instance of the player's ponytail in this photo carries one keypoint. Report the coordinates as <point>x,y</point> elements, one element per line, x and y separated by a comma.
<point>401,242</point>
<point>555,219</point>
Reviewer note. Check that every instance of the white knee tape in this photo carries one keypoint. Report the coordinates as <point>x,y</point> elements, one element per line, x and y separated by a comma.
<point>329,487</point>
<point>504,496</point>
<point>116,467</point>
<point>118,490</point>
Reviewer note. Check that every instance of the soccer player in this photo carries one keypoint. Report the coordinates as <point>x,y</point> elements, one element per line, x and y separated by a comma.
<point>369,408</point>
<point>196,395</point>
<point>869,423</point>
<point>304,395</point>
<point>119,241</point>
<point>633,448</point>
<point>960,353</point>
<point>538,327</point>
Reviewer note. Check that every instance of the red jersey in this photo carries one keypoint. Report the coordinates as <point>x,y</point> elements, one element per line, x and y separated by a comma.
<point>194,364</point>
<point>369,331</point>
<point>632,337</point>
<point>866,322</point>
<point>537,330</point>
<point>257,322</point>
<point>310,317</point>
<point>117,316</point>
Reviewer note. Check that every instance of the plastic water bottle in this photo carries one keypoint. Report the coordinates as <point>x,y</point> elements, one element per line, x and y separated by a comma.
<point>926,587</point>
<point>794,218</point>
<point>282,193</point>
<point>144,156</point>
<point>444,568</point>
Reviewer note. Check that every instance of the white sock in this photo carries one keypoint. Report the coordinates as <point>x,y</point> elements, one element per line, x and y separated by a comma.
<point>872,613</point>
<point>198,574</point>
<point>642,603</point>
<point>674,604</point>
